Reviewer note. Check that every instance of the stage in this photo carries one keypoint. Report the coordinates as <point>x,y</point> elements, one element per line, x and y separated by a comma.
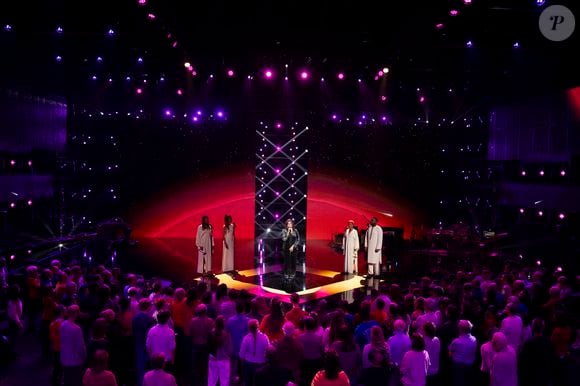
<point>173,261</point>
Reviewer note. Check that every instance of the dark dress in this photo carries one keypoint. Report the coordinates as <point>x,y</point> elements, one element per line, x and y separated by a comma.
<point>289,240</point>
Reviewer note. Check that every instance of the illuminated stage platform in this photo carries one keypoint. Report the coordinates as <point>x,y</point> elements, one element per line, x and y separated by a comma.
<point>310,285</point>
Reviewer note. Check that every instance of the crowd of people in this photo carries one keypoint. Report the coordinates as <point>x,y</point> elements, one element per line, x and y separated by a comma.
<point>100,326</point>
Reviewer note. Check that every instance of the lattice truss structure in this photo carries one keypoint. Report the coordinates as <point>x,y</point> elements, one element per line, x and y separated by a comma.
<point>281,185</point>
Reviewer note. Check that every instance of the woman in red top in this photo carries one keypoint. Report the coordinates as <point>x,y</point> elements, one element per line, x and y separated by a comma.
<point>331,375</point>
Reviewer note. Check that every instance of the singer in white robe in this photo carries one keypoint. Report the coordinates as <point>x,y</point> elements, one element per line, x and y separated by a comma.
<point>350,246</point>
<point>228,244</point>
<point>374,247</point>
<point>205,244</point>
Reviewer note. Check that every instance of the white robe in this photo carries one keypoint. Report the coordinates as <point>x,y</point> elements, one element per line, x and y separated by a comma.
<point>350,246</point>
<point>204,243</point>
<point>228,253</point>
<point>374,240</point>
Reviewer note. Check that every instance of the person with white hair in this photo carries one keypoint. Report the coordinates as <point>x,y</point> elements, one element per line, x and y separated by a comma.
<point>399,343</point>
<point>350,247</point>
<point>503,370</point>
<point>463,351</point>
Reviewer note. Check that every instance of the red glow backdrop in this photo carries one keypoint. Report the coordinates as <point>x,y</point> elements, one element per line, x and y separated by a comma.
<point>332,201</point>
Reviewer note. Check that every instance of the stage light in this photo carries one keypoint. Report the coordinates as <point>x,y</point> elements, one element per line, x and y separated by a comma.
<point>29,163</point>
<point>211,76</point>
<point>278,172</point>
<point>199,112</point>
<point>278,125</point>
<point>334,116</point>
<point>383,98</point>
<point>469,44</point>
<point>187,65</point>
<point>453,12</point>
<point>516,45</point>
<point>563,173</point>
<point>179,91</point>
<point>167,112</point>
<point>59,30</point>
<point>285,78</point>
<point>13,205</point>
<point>381,73</point>
<point>7,28</point>
<point>540,213</point>
<point>466,2</point>
<point>304,75</point>
<point>340,76</point>
<point>268,74</point>
<point>139,60</point>
<point>94,77</point>
<point>150,16</point>
<point>541,172</point>
<point>139,91</point>
<point>230,73</point>
<point>111,32</point>
<point>29,202</point>
<point>12,257</point>
<point>385,70</point>
<point>383,118</point>
<point>220,114</point>
<point>522,210</point>
<point>359,80</point>
<point>523,173</point>
<point>422,99</point>
<point>538,262</point>
<point>322,79</point>
<point>12,162</point>
<point>539,3</point>
<point>561,216</point>
<point>439,25</point>
<point>142,2</point>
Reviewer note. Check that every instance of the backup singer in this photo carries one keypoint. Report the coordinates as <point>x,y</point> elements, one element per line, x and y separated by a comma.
<point>374,247</point>
<point>350,246</point>
<point>204,243</point>
<point>228,244</point>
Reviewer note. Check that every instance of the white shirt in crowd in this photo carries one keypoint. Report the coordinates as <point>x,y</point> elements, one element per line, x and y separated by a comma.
<point>433,348</point>
<point>161,338</point>
<point>254,349</point>
<point>414,368</point>
<point>512,328</point>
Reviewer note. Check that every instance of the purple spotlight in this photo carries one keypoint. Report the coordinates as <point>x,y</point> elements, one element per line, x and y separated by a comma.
<point>94,77</point>
<point>142,2</point>
<point>381,73</point>
<point>359,80</point>
<point>230,73</point>
<point>179,91</point>
<point>540,213</point>
<point>29,202</point>
<point>58,58</point>
<point>334,117</point>
<point>12,162</point>
<point>469,44</point>
<point>383,118</point>
<point>195,119</point>
<point>13,205</point>
<point>522,210</point>
<point>304,75</point>
<point>30,163</point>
<point>151,16</point>
<point>439,25</point>
<point>167,112</point>
<point>542,172</point>
<point>111,32</point>
<point>278,125</point>
<point>139,60</point>
<point>563,173</point>
<point>59,30</point>
<point>268,74</point>
<point>539,3</point>
<point>422,99</point>
<point>516,45</point>
<point>277,172</point>
<point>7,28</point>
<point>276,215</point>
<point>277,193</point>
<point>340,76</point>
<point>453,12</point>
<point>139,91</point>
<point>466,2</point>
<point>278,148</point>
<point>383,98</point>
<point>561,216</point>
<point>220,114</point>
<point>198,112</point>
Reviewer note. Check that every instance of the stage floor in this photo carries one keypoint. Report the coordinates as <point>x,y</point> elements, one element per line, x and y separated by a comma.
<point>172,260</point>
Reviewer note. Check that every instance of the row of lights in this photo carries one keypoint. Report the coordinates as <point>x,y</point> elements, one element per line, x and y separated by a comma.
<point>542,173</point>
<point>541,213</point>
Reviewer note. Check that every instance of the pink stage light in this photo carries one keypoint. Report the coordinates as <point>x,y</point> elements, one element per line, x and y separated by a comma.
<point>278,125</point>
<point>195,119</point>
<point>522,210</point>
<point>13,205</point>
<point>304,75</point>
<point>12,162</point>
<point>439,25</point>
<point>454,12</point>
<point>230,73</point>
<point>29,202</point>
<point>139,91</point>
<point>563,173</point>
<point>542,172</point>
<point>340,75</point>
<point>540,213</point>
<point>179,91</point>
<point>29,163</point>
<point>268,74</point>
<point>383,98</point>
<point>334,116</point>
<point>561,216</point>
<point>422,99</point>
<point>523,173</point>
